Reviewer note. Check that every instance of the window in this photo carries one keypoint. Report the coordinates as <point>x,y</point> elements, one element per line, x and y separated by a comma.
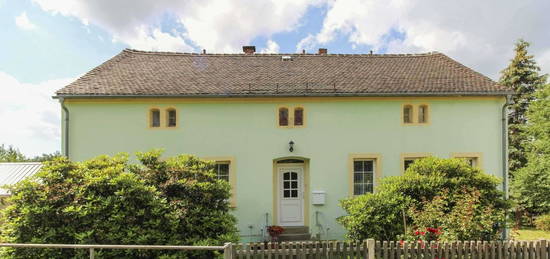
<point>290,117</point>
<point>298,116</point>
<point>154,118</point>
<point>423,113</point>
<point>364,172</point>
<point>407,114</point>
<point>407,159</point>
<point>283,116</point>
<point>363,176</point>
<point>171,118</point>
<point>416,114</point>
<point>408,162</point>
<point>222,170</point>
<point>472,159</point>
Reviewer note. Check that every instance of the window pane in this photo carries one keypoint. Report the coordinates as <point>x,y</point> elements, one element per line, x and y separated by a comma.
<point>357,166</point>
<point>408,163</point>
<point>294,184</point>
<point>171,118</point>
<point>294,176</point>
<point>368,165</point>
<point>286,185</point>
<point>283,117</point>
<point>298,116</point>
<point>294,193</point>
<point>407,114</point>
<point>286,194</point>
<point>422,114</point>
<point>286,176</point>
<point>155,118</point>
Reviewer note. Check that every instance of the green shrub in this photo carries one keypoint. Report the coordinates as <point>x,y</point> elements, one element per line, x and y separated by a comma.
<point>106,200</point>
<point>434,193</point>
<point>543,222</point>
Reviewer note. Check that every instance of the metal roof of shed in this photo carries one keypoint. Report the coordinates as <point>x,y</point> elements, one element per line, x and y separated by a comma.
<point>12,173</point>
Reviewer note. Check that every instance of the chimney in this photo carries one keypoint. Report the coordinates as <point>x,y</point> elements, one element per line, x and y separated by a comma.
<point>323,51</point>
<point>249,49</point>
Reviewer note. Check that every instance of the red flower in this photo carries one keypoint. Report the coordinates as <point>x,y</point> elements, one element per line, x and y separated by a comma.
<point>417,233</point>
<point>422,233</point>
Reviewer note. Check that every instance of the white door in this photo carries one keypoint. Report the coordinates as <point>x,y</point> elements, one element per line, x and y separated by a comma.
<point>291,196</point>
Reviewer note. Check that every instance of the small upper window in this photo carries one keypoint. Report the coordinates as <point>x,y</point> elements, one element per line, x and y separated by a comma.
<point>171,118</point>
<point>283,116</point>
<point>423,113</point>
<point>155,118</point>
<point>299,116</point>
<point>472,161</point>
<point>407,114</point>
<point>408,162</point>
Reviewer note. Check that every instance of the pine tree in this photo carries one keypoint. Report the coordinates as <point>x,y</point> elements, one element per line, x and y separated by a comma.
<point>522,75</point>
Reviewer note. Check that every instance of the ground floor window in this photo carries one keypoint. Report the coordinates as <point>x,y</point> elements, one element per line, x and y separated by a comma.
<point>407,159</point>
<point>472,159</point>
<point>363,176</point>
<point>222,170</point>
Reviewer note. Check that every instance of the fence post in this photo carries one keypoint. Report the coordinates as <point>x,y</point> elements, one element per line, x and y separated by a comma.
<point>228,251</point>
<point>543,249</point>
<point>92,253</point>
<point>370,248</point>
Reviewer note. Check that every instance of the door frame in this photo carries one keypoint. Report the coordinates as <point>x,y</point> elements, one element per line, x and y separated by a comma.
<point>301,176</point>
<point>275,193</point>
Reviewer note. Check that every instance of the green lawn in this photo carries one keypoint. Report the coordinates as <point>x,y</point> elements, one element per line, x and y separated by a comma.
<point>530,234</point>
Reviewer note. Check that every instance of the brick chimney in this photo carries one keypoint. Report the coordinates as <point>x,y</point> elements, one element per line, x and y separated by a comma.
<point>323,51</point>
<point>249,49</point>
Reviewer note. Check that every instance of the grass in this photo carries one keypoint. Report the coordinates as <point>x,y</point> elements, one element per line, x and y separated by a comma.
<point>530,234</point>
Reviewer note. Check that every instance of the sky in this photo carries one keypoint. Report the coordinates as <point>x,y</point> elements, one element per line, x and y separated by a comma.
<point>46,44</point>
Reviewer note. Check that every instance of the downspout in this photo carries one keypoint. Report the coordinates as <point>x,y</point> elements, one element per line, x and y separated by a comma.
<point>505,183</point>
<point>66,150</point>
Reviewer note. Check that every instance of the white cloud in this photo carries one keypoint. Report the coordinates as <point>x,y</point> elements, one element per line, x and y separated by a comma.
<point>214,25</point>
<point>30,118</point>
<point>480,34</point>
<point>271,47</point>
<point>22,21</point>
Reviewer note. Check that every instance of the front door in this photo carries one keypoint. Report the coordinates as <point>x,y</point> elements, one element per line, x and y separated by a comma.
<point>291,196</point>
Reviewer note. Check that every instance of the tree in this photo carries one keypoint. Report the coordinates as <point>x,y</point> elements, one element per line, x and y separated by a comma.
<point>107,200</point>
<point>406,199</point>
<point>531,185</point>
<point>522,75</point>
<point>10,154</point>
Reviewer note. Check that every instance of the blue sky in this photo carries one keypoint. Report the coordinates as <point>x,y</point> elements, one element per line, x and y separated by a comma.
<point>45,44</point>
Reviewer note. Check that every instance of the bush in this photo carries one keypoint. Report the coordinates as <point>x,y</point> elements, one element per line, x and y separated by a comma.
<point>445,194</point>
<point>106,200</point>
<point>543,222</point>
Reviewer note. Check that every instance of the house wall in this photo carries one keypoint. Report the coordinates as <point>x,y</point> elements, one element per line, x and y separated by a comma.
<point>247,131</point>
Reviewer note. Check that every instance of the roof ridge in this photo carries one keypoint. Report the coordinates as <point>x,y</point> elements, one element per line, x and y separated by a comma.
<point>169,53</point>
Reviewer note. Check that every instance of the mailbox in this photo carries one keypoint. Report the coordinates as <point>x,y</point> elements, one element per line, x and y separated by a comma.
<point>318,197</point>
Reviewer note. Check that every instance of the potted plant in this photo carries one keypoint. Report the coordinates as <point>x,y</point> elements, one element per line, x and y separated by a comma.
<point>275,232</point>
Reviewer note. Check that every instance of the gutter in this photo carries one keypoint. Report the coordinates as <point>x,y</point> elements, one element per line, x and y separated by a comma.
<point>505,158</point>
<point>271,95</point>
<point>66,142</point>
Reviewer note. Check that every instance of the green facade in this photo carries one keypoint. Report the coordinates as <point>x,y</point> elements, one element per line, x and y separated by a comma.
<point>335,128</point>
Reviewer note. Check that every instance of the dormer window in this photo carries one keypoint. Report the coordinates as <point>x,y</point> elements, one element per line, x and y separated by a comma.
<point>283,116</point>
<point>171,118</point>
<point>154,118</point>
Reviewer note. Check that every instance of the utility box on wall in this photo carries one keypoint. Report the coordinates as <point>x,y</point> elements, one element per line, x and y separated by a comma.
<point>318,197</point>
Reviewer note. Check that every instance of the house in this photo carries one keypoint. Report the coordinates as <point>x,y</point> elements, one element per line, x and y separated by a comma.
<point>292,133</point>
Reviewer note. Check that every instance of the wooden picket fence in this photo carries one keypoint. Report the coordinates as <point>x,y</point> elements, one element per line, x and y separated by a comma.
<point>370,249</point>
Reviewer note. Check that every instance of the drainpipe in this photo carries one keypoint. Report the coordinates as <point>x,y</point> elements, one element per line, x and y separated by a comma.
<point>505,233</point>
<point>66,150</point>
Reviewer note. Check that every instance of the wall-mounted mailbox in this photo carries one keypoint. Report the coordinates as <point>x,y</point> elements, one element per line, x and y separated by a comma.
<point>318,197</point>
